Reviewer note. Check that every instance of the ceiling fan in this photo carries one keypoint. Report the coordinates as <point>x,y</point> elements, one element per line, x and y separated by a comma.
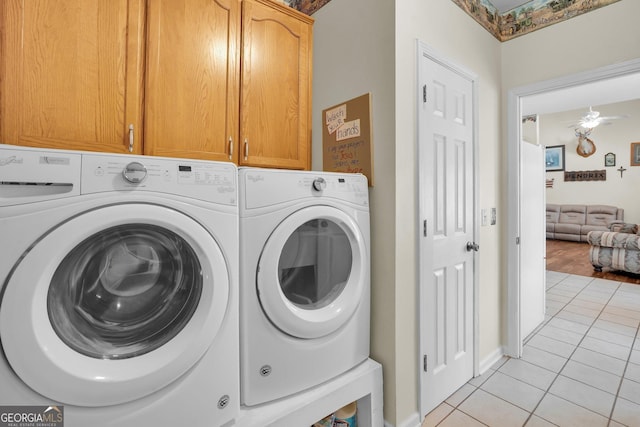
<point>586,147</point>
<point>592,118</point>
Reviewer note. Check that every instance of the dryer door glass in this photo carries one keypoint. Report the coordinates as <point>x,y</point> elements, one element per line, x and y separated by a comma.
<point>313,272</point>
<point>315,264</point>
<point>124,291</point>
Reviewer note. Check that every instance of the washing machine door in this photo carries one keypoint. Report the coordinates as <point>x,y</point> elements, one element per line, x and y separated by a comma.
<point>114,304</point>
<point>312,272</point>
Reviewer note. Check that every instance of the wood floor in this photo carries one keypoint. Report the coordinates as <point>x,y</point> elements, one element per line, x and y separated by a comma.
<point>573,258</point>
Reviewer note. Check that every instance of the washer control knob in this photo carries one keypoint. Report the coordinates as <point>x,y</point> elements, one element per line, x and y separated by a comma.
<point>319,184</point>
<point>134,172</point>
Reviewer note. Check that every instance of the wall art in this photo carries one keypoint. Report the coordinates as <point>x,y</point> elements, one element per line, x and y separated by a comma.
<point>554,158</point>
<point>635,154</point>
<point>609,159</point>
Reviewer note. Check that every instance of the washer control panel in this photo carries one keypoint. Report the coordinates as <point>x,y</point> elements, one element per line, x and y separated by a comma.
<point>203,180</point>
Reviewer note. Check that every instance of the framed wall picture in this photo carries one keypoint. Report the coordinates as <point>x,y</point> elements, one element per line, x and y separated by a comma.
<point>609,159</point>
<point>635,154</point>
<point>554,158</point>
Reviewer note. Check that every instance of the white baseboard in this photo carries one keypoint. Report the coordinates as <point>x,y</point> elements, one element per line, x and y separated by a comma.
<point>412,421</point>
<point>491,359</point>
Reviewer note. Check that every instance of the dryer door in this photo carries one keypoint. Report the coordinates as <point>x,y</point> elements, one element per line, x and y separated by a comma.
<point>312,272</point>
<point>114,304</point>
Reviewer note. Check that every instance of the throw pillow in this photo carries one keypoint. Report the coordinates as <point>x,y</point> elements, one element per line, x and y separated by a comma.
<point>629,228</point>
<point>623,227</point>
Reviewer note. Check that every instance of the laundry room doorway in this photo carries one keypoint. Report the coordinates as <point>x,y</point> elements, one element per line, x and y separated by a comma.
<point>609,84</point>
<point>447,186</point>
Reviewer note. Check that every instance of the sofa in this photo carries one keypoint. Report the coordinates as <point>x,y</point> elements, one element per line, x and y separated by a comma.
<point>574,222</point>
<point>618,248</point>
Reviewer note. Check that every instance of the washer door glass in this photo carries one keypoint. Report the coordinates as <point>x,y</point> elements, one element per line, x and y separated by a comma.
<point>124,291</point>
<point>312,272</point>
<point>114,304</point>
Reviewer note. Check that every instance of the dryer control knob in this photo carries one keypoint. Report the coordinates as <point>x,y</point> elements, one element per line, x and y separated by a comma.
<point>319,184</point>
<point>134,172</point>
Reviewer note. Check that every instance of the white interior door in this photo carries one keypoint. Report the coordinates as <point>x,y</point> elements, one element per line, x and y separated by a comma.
<point>532,236</point>
<point>446,200</point>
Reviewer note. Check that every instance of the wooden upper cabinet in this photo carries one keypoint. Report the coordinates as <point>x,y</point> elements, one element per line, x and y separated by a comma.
<point>70,73</point>
<point>275,107</point>
<point>192,79</point>
<point>174,78</point>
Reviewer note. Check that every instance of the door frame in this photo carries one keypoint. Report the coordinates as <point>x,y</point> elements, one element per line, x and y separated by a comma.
<point>424,50</point>
<point>515,97</point>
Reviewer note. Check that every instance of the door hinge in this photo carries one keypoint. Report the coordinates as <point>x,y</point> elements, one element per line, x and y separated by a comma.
<point>424,93</point>
<point>424,228</point>
<point>518,240</point>
<point>424,363</point>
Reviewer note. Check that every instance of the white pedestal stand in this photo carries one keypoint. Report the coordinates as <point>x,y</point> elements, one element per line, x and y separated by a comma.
<point>362,383</point>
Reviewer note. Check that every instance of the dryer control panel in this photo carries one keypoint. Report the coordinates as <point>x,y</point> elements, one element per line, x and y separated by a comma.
<point>267,187</point>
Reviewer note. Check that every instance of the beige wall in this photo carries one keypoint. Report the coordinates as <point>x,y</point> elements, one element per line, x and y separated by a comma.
<point>359,48</point>
<point>370,46</point>
<point>614,138</point>
<point>354,55</point>
<point>465,43</point>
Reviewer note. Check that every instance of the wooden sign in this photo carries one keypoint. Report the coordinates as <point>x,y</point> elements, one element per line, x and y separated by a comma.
<point>346,137</point>
<point>597,175</point>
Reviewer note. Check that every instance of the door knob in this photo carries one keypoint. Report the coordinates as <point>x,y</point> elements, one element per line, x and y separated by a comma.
<point>472,246</point>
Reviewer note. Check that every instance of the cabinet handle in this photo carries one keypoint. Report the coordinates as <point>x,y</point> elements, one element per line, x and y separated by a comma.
<point>230,148</point>
<point>131,138</point>
<point>246,148</point>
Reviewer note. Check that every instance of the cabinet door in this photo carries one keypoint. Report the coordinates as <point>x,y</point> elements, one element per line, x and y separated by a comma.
<point>191,96</point>
<point>70,73</point>
<point>275,109</point>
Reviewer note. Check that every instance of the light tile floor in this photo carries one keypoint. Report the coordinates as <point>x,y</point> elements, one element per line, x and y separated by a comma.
<point>581,367</point>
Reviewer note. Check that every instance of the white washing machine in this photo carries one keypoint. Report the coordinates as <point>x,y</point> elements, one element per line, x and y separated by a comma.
<point>119,280</point>
<point>304,279</point>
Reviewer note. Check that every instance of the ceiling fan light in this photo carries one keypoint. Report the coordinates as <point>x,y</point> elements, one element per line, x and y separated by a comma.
<point>590,124</point>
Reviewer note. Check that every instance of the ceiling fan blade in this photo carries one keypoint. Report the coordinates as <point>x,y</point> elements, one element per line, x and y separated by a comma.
<point>594,116</point>
<point>624,116</point>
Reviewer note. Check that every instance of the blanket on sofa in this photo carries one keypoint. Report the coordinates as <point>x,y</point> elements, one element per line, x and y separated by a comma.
<point>615,249</point>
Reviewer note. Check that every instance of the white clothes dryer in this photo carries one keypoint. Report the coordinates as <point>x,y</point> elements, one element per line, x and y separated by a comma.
<point>119,280</point>
<point>304,279</point>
